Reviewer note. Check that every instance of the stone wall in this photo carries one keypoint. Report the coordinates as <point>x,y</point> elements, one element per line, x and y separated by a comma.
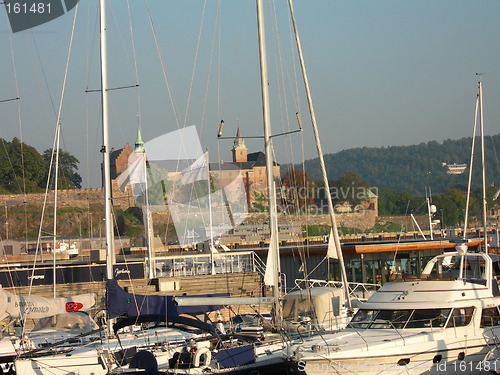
<point>81,213</point>
<point>364,220</point>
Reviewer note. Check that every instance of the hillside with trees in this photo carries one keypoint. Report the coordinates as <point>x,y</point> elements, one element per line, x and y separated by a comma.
<point>410,168</point>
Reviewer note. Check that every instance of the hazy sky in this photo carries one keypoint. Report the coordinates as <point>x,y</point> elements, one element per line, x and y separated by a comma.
<point>382,73</point>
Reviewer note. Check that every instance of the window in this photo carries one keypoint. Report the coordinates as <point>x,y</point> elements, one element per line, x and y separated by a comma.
<point>398,319</point>
<point>490,317</point>
<point>461,317</point>
<point>428,318</point>
<point>391,319</point>
<point>363,318</point>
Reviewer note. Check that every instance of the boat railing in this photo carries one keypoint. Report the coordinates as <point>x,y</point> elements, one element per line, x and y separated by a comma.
<point>358,291</point>
<point>200,264</point>
<point>490,337</point>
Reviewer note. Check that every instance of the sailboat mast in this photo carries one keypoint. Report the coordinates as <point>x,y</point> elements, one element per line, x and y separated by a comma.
<point>54,238</point>
<point>273,215</point>
<point>481,123</point>
<point>469,184</point>
<point>321,160</point>
<point>105,144</point>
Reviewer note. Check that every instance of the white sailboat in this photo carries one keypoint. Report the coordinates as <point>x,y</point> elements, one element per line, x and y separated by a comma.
<point>101,357</point>
<point>104,353</point>
<point>441,322</point>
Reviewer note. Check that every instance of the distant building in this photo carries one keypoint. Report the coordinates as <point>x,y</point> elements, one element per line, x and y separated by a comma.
<point>118,160</point>
<point>252,168</point>
<point>455,168</point>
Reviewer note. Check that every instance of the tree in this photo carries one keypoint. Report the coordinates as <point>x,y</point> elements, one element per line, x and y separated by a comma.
<point>298,190</point>
<point>22,168</point>
<point>349,188</point>
<point>68,178</point>
<point>392,202</point>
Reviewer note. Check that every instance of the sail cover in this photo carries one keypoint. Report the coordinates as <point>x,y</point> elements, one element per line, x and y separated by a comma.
<point>36,307</point>
<point>142,308</point>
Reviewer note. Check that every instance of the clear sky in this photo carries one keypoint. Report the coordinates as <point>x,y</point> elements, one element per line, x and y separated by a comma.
<point>382,73</point>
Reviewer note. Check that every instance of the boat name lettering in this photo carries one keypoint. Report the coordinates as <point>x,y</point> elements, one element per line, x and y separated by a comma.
<point>119,272</point>
<point>31,308</point>
<point>36,277</point>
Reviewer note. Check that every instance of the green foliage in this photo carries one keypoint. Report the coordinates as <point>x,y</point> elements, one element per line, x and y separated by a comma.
<point>387,227</point>
<point>67,177</point>
<point>350,187</point>
<point>298,191</point>
<point>450,205</point>
<point>317,230</point>
<point>129,222</point>
<point>392,202</point>
<point>22,168</point>
<point>409,168</point>
<point>347,230</point>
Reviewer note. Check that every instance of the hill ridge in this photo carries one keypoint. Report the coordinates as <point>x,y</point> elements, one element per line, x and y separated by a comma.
<point>410,168</point>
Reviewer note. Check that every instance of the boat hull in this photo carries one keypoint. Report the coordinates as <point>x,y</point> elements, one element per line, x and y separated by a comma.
<point>440,362</point>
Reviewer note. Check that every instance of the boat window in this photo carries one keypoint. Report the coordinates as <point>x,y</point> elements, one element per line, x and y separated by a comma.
<point>490,317</point>
<point>391,319</point>
<point>428,318</point>
<point>461,317</point>
<point>363,318</point>
<point>475,268</point>
<point>443,269</point>
<point>397,319</point>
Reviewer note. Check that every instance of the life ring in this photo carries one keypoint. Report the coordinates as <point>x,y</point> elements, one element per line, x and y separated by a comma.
<point>199,353</point>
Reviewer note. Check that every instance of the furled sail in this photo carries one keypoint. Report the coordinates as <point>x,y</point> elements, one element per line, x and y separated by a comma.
<point>37,307</point>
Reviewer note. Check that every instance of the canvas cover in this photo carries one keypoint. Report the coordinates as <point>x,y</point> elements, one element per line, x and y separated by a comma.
<point>138,308</point>
<point>36,307</point>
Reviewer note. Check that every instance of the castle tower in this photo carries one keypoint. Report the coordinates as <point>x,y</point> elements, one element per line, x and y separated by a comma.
<point>240,151</point>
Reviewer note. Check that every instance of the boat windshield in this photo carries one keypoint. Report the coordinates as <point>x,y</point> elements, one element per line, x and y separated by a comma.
<point>448,268</point>
<point>396,319</point>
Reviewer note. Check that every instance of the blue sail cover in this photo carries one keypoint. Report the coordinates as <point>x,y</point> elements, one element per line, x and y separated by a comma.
<point>140,308</point>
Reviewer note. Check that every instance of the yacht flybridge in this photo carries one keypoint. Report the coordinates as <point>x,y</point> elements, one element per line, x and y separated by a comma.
<point>441,322</point>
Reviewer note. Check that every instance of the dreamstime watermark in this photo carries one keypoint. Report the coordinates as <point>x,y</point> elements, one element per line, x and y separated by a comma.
<point>343,193</point>
<point>26,14</point>
<point>366,366</point>
<point>313,200</point>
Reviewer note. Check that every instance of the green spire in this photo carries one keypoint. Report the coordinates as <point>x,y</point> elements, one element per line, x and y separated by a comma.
<point>139,144</point>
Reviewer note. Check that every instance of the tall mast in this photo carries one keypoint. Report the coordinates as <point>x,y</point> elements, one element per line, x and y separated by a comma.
<point>54,235</point>
<point>273,216</point>
<point>481,123</point>
<point>321,160</point>
<point>105,149</point>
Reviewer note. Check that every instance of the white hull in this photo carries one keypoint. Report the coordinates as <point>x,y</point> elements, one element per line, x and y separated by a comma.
<point>420,363</point>
<point>442,323</point>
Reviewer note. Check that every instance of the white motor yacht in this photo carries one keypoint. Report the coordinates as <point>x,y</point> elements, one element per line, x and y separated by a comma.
<point>441,322</point>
